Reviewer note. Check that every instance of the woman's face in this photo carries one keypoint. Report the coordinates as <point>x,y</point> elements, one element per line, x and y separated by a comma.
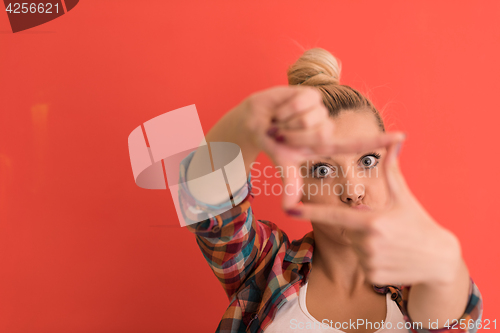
<point>348,180</point>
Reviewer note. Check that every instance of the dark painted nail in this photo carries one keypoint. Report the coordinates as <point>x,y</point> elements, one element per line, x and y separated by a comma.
<point>293,212</point>
<point>280,138</point>
<point>272,131</point>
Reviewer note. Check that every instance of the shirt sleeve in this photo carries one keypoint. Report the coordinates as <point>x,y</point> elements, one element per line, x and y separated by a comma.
<point>467,323</point>
<point>233,243</point>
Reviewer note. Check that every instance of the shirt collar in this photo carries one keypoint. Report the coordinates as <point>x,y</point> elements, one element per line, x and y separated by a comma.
<point>300,251</point>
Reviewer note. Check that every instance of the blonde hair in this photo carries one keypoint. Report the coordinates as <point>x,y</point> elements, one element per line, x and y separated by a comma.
<point>318,68</point>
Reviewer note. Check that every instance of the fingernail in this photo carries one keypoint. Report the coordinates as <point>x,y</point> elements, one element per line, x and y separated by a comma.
<point>280,138</point>
<point>272,131</point>
<point>293,212</point>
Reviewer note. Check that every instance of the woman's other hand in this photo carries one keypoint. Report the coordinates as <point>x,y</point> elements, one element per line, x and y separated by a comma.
<point>398,245</point>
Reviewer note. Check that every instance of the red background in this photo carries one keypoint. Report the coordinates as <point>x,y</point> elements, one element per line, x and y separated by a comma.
<point>83,249</point>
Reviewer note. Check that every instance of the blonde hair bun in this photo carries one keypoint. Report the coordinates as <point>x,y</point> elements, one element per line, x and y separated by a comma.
<point>315,67</point>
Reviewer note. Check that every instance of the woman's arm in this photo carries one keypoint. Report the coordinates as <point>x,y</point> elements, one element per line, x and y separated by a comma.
<point>232,127</point>
<point>231,242</point>
<point>439,303</point>
<point>452,303</point>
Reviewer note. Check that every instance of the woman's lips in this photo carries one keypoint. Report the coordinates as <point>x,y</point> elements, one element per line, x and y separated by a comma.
<point>361,207</point>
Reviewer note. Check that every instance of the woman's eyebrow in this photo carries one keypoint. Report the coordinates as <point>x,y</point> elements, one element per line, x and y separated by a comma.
<point>357,153</point>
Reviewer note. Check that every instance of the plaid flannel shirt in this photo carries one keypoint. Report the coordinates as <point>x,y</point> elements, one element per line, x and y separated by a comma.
<point>260,269</point>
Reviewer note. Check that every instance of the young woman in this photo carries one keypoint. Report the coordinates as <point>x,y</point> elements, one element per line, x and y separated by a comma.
<point>375,260</point>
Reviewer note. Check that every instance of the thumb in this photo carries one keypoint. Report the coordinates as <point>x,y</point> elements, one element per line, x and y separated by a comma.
<point>292,181</point>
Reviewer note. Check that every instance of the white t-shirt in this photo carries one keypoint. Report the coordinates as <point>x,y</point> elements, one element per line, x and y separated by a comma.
<point>294,317</point>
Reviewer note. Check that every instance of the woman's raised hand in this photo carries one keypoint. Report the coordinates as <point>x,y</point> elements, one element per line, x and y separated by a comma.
<point>287,110</point>
<point>298,110</point>
<point>401,244</point>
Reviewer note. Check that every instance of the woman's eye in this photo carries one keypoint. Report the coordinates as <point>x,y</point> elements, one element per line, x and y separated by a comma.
<point>321,171</point>
<point>369,161</point>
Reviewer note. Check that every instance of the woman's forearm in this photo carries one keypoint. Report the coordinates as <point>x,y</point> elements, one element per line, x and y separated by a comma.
<point>231,127</point>
<point>440,303</point>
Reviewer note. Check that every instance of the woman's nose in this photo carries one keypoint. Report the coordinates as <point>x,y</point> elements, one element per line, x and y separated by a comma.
<point>352,192</point>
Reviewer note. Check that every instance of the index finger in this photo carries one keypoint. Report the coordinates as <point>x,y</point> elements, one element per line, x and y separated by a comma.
<point>305,99</point>
<point>333,145</point>
<point>329,215</point>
